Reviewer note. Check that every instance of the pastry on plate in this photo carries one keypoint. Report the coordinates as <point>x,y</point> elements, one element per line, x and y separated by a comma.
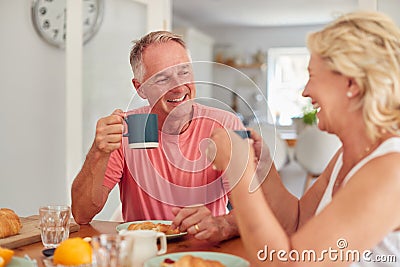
<point>141,226</point>
<point>165,228</point>
<point>159,227</point>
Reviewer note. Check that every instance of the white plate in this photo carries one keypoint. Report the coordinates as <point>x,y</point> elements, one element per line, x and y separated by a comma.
<point>169,237</point>
<point>227,259</point>
<point>20,262</point>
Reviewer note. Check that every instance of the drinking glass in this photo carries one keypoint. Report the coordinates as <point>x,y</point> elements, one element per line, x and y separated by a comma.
<point>109,250</point>
<point>54,224</point>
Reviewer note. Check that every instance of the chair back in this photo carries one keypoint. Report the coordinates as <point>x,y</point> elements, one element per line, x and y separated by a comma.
<point>314,149</point>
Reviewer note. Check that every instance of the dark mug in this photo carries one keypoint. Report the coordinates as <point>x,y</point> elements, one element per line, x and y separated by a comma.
<point>142,130</point>
<point>243,133</point>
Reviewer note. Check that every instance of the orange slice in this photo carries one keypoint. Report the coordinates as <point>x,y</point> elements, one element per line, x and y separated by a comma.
<point>73,251</point>
<point>6,254</point>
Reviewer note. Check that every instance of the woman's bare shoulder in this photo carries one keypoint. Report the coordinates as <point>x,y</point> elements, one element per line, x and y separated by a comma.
<point>383,168</point>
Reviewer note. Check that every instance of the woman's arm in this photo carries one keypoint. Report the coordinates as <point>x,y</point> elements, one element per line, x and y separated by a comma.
<point>290,212</point>
<point>355,214</point>
<point>284,205</point>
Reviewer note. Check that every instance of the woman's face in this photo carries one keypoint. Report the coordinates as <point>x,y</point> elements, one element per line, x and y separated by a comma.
<point>327,90</point>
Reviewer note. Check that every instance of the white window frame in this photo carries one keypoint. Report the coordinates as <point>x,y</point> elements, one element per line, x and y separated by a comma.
<point>285,78</point>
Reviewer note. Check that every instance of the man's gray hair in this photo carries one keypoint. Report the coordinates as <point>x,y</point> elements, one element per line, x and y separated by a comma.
<point>157,37</point>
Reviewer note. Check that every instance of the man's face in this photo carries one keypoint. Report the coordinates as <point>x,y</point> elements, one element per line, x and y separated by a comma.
<point>168,80</point>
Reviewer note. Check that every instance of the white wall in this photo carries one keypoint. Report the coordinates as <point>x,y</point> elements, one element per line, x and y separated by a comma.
<point>32,82</point>
<point>391,8</point>
<point>32,138</point>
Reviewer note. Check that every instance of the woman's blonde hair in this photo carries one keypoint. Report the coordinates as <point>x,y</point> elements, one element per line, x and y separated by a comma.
<point>157,37</point>
<point>366,46</point>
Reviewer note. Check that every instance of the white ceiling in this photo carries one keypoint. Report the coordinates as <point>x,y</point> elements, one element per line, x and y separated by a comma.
<point>260,13</point>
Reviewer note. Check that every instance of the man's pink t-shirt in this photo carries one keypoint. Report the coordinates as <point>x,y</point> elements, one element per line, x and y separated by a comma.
<point>176,174</point>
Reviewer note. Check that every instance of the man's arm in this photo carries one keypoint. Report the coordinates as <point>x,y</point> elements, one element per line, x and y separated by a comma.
<point>88,192</point>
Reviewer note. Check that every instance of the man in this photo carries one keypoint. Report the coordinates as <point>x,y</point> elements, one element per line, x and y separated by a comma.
<point>168,182</point>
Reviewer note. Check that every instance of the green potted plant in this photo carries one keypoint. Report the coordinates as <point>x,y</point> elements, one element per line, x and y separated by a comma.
<point>310,116</point>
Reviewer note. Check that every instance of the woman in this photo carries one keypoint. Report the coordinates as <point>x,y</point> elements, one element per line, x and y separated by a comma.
<point>350,215</point>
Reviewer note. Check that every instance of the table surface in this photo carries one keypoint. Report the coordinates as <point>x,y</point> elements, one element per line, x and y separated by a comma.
<point>185,243</point>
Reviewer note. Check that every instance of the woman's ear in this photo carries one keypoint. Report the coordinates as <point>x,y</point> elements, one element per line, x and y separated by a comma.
<point>139,88</point>
<point>353,87</point>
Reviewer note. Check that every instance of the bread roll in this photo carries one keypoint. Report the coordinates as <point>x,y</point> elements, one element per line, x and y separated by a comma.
<point>9,223</point>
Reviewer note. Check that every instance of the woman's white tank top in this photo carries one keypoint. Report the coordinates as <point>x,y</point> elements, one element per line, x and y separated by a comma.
<point>389,247</point>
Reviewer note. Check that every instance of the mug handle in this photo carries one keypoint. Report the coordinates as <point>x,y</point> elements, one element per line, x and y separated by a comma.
<point>127,132</point>
<point>163,243</point>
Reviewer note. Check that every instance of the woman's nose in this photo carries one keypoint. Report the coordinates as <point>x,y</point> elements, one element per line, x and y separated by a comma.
<point>305,91</point>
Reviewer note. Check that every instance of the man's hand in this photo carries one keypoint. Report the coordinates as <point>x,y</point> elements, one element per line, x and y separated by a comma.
<point>199,222</point>
<point>230,153</point>
<point>109,132</point>
<point>263,158</point>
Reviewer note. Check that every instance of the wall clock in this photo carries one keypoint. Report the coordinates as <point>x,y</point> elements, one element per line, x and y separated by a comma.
<point>49,19</point>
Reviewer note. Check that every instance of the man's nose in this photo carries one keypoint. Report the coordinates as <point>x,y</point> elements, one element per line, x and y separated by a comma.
<point>178,88</point>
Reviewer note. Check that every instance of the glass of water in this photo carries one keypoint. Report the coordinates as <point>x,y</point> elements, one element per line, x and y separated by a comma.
<point>109,250</point>
<point>54,224</point>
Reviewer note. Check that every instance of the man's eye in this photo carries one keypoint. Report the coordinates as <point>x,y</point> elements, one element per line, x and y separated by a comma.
<point>162,80</point>
<point>183,73</point>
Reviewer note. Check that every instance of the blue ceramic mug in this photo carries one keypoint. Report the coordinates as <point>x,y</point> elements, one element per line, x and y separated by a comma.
<point>243,133</point>
<point>142,130</point>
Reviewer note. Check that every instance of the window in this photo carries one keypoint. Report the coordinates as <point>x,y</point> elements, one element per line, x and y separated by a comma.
<point>287,76</point>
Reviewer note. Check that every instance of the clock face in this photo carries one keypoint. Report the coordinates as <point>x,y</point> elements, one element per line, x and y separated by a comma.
<point>50,21</point>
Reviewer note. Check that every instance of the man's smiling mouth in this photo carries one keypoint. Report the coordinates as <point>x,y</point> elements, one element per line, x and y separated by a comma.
<point>176,100</point>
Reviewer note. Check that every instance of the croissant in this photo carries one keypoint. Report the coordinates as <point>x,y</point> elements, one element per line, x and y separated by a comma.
<point>159,227</point>
<point>191,261</point>
<point>166,229</point>
<point>142,226</point>
<point>10,223</point>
